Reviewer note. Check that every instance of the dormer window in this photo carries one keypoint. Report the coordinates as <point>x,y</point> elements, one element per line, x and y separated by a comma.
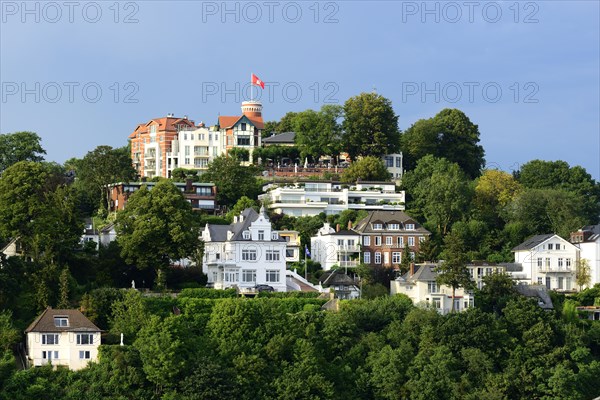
<point>394,227</point>
<point>377,226</point>
<point>274,236</point>
<point>152,128</point>
<point>246,235</point>
<point>61,321</point>
<point>410,227</point>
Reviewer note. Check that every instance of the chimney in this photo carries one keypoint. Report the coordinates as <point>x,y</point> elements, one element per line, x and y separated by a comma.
<point>349,225</point>
<point>412,268</point>
<point>337,228</point>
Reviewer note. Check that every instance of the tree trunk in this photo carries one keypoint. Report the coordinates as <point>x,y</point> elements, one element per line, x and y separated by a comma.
<point>453,296</point>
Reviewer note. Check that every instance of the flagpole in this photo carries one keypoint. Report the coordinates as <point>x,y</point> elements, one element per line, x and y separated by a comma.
<point>305,265</point>
<point>251,86</point>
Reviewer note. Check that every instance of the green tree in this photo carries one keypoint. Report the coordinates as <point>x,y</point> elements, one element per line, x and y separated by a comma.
<point>453,270</point>
<point>368,168</point>
<point>497,290</point>
<point>39,209</point>
<point>243,203</point>
<point>451,135</point>
<point>583,274</point>
<point>318,132</point>
<point>538,174</point>
<point>157,226</point>
<point>548,210</point>
<point>441,192</point>
<point>20,146</point>
<point>102,166</point>
<point>232,179</point>
<point>406,259</point>
<point>240,153</point>
<point>370,126</point>
<point>494,190</point>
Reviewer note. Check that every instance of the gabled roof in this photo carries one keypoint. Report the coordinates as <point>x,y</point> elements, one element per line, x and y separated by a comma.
<point>594,232</point>
<point>228,121</point>
<point>218,233</point>
<point>533,241</point>
<point>77,322</point>
<point>387,216</point>
<point>285,137</point>
<point>168,124</point>
<point>422,273</point>
<point>537,292</point>
<point>336,278</point>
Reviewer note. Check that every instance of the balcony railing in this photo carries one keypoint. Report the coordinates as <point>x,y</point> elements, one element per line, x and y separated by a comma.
<point>555,269</point>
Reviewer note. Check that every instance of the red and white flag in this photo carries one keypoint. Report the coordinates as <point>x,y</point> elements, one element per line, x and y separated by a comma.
<point>257,82</point>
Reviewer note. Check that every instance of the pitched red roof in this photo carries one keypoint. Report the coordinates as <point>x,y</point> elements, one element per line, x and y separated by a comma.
<point>229,121</point>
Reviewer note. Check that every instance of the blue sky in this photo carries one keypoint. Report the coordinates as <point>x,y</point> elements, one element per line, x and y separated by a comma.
<point>528,73</point>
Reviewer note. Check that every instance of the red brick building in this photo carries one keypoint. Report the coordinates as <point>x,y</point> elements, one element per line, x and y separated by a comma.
<point>384,235</point>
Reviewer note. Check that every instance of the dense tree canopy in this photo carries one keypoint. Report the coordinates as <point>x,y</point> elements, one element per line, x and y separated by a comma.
<point>232,179</point>
<point>100,167</point>
<point>157,226</point>
<point>20,146</point>
<point>368,168</point>
<point>370,126</point>
<point>451,135</point>
<point>440,190</point>
<point>37,207</point>
<point>538,174</point>
<point>318,132</point>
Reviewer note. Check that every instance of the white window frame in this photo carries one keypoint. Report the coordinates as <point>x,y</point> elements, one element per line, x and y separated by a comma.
<point>367,257</point>
<point>55,339</point>
<point>396,257</point>
<point>85,337</point>
<point>249,276</point>
<point>377,240</point>
<point>272,255</point>
<point>389,240</point>
<point>60,321</point>
<point>272,276</point>
<point>249,255</point>
<point>377,257</point>
<point>411,241</point>
<point>84,355</point>
<point>367,240</point>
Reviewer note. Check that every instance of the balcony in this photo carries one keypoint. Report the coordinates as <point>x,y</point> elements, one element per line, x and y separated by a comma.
<point>349,264</point>
<point>349,248</point>
<point>556,269</point>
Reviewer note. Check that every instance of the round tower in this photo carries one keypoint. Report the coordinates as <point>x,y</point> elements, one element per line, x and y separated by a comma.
<point>252,108</point>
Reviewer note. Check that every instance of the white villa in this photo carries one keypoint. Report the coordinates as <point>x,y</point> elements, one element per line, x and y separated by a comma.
<point>331,248</point>
<point>62,337</point>
<point>244,254</point>
<point>312,198</point>
<point>547,260</point>
<point>420,285</point>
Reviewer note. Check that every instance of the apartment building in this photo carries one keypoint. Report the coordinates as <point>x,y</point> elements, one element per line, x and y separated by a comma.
<point>384,234</point>
<point>312,198</point>
<point>202,196</point>
<point>330,247</point>
<point>163,144</point>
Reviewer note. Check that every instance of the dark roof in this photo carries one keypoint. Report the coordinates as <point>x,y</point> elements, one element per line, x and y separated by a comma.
<point>422,273</point>
<point>77,322</point>
<point>388,216</point>
<point>336,278</point>
<point>218,233</point>
<point>533,242</point>
<point>537,292</point>
<point>285,137</point>
<point>594,232</point>
<point>345,232</point>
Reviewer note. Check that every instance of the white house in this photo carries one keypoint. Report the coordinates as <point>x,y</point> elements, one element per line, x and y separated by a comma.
<point>587,239</point>
<point>331,248</point>
<point>62,337</point>
<point>194,148</point>
<point>421,286</point>
<point>393,163</point>
<point>547,260</point>
<point>312,198</point>
<point>244,254</point>
<point>344,287</point>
